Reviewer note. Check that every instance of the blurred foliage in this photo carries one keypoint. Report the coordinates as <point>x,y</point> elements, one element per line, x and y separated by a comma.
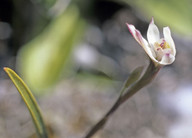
<point>174,13</point>
<point>42,60</point>
<point>46,3</point>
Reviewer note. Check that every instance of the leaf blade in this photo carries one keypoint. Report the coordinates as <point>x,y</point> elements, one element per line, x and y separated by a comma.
<point>30,102</point>
<point>133,77</point>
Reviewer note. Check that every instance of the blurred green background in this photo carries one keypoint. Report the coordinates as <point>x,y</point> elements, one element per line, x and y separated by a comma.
<point>66,48</point>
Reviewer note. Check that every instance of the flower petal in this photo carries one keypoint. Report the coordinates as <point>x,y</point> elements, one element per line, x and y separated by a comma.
<point>152,33</point>
<point>168,38</point>
<point>167,59</point>
<point>136,34</point>
<point>139,38</point>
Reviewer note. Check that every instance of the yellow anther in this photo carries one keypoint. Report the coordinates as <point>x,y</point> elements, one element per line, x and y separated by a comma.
<point>164,45</point>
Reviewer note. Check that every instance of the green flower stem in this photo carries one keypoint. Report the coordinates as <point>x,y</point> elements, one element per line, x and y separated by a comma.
<point>148,76</point>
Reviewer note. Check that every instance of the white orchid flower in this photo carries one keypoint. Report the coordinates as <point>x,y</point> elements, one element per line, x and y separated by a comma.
<point>161,50</point>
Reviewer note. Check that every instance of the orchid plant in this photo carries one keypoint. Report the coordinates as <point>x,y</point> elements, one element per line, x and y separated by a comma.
<point>161,52</point>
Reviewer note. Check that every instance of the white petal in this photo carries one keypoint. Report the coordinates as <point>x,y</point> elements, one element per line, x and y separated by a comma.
<point>168,38</point>
<point>135,33</point>
<point>139,38</point>
<point>152,33</point>
<point>167,59</point>
<point>150,52</point>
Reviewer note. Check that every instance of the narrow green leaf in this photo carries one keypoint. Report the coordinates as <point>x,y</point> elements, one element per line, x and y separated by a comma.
<point>134,76</point>
<point>30,101</point>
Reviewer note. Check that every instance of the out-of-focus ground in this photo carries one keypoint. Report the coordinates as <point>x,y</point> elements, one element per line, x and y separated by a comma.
<point>161,110</point>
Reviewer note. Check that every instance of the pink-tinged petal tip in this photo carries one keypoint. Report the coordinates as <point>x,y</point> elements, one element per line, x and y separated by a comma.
<point>131,28</point>
<point>135,33</point>
<point>152,20</point>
